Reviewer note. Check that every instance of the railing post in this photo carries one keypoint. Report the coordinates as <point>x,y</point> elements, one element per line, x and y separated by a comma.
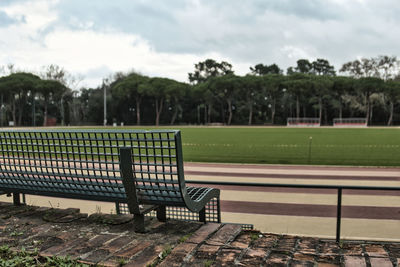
<point>338,214</point>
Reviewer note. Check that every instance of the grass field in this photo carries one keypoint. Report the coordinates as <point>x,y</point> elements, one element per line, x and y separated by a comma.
<point>328,146</point>
<point>267,145</point>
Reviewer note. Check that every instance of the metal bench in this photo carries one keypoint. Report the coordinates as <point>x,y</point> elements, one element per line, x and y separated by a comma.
<point>140,169</point>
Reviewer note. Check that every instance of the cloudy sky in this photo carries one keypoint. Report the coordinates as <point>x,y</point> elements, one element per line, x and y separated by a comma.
<point>96,38</point>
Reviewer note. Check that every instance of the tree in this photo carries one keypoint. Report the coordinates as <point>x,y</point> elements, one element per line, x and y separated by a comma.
<point>322,90</point>
<point>388,67</point>
<point>16,88</point>
<point>175,92</point>
<point>341,87</point>
<point>303,66</point>
<point>205,93</point>
<point>391,91</point>
<point>322,67</point>
<point>48,89</point>
<point>250,87</point>
<point>366,86</point>
<point>261,69</point>
<point>225,88</point>
<point>129,89</point>
<point>272,88</point>
<point>298,84</point>
<point>209,68</point>
<point>383,67</point>
<point>156,88</point>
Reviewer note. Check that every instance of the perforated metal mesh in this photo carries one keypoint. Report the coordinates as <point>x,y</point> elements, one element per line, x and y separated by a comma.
<point>86,165</point>
<point>212,210</point>
<point>48,162</point>
<point>155,169</point>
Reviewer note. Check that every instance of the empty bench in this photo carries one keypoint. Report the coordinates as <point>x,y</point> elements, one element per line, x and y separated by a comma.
<point>141,170</point>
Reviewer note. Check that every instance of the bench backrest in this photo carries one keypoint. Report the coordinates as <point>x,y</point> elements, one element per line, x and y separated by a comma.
<point>85,164</point>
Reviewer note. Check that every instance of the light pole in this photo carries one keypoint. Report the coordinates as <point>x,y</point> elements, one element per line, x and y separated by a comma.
<point>33,110</point>
<point>105,103</point>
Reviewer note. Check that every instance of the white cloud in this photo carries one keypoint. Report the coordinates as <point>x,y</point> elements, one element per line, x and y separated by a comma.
<point>96,38</point>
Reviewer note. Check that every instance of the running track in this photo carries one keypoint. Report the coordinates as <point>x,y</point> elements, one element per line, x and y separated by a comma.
<point>321,203</point>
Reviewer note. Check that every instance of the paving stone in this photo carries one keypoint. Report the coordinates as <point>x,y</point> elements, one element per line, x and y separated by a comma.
<point>308,246</point>
<point>132,249</point>
<point>109,263</point>
<point>300,256</point>
<point>296,263</point>
<point>276,259</point>
<point>225,234</point>
<point>376,251</point>
<point>211,243</point>
<point>242,241</point>
<point>96,256</point>
<point>63,215</point>
<point>206,251</point>
<point>380,262</point>
<point>394,250</point>
<point>146,257</point>
<point>112,219</point>
<point>178,254</point>
<point>328,259</point>
<point>201,234</point>
<point>76,251</point>
<point>329,248</point>
<point>99,240</point>
<point>351,249</point>
<point>323,264</point>
<point>117,243</point>
<point>354,261</point>
<point>174,259</point>
<point>57,250</point>
<point>286,244</point>
<point>227,256</point>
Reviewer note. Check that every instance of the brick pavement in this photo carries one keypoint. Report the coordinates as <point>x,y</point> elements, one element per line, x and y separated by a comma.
<point>108,240</point>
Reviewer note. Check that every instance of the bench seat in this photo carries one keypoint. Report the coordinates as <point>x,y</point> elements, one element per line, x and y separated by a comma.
<point>122,166</point>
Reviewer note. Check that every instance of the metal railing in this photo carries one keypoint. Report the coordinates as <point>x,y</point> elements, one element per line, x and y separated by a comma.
<point>339,189</point>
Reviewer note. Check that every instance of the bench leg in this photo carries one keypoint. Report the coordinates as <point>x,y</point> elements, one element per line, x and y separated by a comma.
<point>138,223</point>
<point>202,215</point>
<point>162,213</point>
<point>16,199</point>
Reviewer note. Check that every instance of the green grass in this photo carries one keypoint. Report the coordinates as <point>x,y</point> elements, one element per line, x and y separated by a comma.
<point>329,146</point>
<point>24,258</point>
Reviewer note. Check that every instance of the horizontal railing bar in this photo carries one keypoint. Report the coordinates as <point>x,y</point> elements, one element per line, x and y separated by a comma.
<point>315,186</point>
<point>106,131</point>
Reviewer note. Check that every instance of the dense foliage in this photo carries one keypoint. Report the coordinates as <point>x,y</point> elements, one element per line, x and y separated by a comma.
<point>368,88</point>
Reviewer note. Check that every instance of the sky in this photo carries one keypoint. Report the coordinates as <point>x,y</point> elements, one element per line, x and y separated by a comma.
<point>95,38</point>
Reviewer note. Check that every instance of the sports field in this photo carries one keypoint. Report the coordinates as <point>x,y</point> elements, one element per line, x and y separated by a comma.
<point>281,145</point>
<point>315,146</point>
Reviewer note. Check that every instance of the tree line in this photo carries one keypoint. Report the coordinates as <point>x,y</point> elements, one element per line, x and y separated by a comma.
<point>367,87</point>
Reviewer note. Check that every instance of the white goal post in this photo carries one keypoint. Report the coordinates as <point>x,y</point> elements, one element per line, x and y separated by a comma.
<point>303,122</point>
<point>350,122</point>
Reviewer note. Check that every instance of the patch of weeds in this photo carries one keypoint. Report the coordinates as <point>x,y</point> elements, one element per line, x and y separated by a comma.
<point>208,263</point>
<point>27,259</point>
<point>254,237</point>
<point>16,233</point>
<point>122,262</point>
<point>163,254</point>
<point>184,238</point>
